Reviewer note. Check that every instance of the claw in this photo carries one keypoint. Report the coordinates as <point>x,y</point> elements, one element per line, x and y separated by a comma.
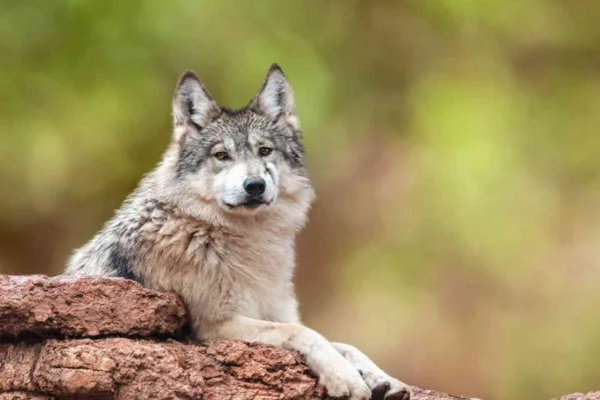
<point>403,394</point>
<point>379,392</point>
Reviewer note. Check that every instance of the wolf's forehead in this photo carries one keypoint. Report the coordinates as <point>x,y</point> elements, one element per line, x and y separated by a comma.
<point>239,130</point>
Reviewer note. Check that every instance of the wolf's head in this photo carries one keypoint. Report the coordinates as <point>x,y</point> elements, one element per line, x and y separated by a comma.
<point>241,162</point>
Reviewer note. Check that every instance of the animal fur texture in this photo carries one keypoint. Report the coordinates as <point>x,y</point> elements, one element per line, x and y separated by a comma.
<point>215,222</point>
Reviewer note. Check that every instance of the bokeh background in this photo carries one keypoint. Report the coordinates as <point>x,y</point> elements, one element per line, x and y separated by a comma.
<point>454,146</point>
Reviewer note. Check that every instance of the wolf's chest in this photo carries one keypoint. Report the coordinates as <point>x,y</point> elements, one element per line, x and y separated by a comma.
<point>215,270</point>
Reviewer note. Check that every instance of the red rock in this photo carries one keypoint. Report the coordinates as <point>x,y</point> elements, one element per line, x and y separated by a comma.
<point>85,307</point>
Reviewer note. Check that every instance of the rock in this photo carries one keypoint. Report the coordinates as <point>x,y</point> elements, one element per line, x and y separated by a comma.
<point>85,307</point>
<point>120,368</point>
<point>581,396</point>
<point>24,396</point>
<point>56,344</point>
<point>127,369</point>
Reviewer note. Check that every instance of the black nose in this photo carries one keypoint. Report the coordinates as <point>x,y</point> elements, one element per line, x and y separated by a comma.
<point>255,186</point>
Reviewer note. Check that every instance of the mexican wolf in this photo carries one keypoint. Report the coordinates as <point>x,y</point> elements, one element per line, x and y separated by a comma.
<point>215,223</point>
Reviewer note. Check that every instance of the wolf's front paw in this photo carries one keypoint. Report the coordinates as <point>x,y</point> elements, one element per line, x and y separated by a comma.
<point>345,381</point>
<point>385,387</point>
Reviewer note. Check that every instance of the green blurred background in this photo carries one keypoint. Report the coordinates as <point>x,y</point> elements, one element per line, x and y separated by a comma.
<point>454,146</point>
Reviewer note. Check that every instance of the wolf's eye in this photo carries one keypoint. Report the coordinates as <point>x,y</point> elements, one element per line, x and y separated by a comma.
<point>264,151</point>
<point>222,155</point>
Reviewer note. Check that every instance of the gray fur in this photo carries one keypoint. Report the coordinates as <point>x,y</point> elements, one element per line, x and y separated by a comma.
<point>190,228</point>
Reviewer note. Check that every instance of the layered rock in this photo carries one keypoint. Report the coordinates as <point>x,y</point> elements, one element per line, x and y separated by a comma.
<point>106,338</point>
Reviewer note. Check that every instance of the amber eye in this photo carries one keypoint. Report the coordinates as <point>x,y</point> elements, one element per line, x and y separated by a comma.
<point>264,151</point>
<point>222,155</point>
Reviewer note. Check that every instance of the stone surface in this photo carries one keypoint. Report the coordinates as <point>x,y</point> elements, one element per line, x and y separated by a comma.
<point>24,396</point>
<point>127,369</point>
<point>56,344</point>
<point>581,396</point>
<point>85,307</point>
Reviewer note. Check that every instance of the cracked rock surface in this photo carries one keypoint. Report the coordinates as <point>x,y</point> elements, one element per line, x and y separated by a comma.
<point>85,307</point>
<point>106,338</point>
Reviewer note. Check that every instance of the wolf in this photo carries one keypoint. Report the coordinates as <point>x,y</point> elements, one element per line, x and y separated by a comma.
<point>215,222</point>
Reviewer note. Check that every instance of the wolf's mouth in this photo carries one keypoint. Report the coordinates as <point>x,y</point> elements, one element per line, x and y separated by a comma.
<point>252,203</point>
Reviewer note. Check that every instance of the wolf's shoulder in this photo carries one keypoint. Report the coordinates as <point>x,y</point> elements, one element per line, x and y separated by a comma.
<point>111,250</point>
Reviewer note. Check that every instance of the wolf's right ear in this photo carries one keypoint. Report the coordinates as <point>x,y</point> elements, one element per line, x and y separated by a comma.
<point>192,103</point>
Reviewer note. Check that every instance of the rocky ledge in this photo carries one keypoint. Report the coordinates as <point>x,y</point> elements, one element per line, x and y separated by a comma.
<point>106,338</point>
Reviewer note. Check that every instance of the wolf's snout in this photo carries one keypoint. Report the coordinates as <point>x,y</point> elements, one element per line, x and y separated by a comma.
<point>255,186</point>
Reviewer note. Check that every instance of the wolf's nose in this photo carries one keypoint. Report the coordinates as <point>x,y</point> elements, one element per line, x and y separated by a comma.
<point>255,186</point>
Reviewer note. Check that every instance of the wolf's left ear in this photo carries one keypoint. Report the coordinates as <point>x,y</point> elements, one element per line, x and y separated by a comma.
<point>192,102</point>
<point>275,98</point>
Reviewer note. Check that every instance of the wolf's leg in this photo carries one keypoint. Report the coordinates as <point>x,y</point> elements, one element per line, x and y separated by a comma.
<point>382,385</point>
<point>338,375</point>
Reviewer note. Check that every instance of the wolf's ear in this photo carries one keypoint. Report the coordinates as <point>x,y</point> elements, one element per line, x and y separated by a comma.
<point>275,98</point>
<point>192,102</point>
